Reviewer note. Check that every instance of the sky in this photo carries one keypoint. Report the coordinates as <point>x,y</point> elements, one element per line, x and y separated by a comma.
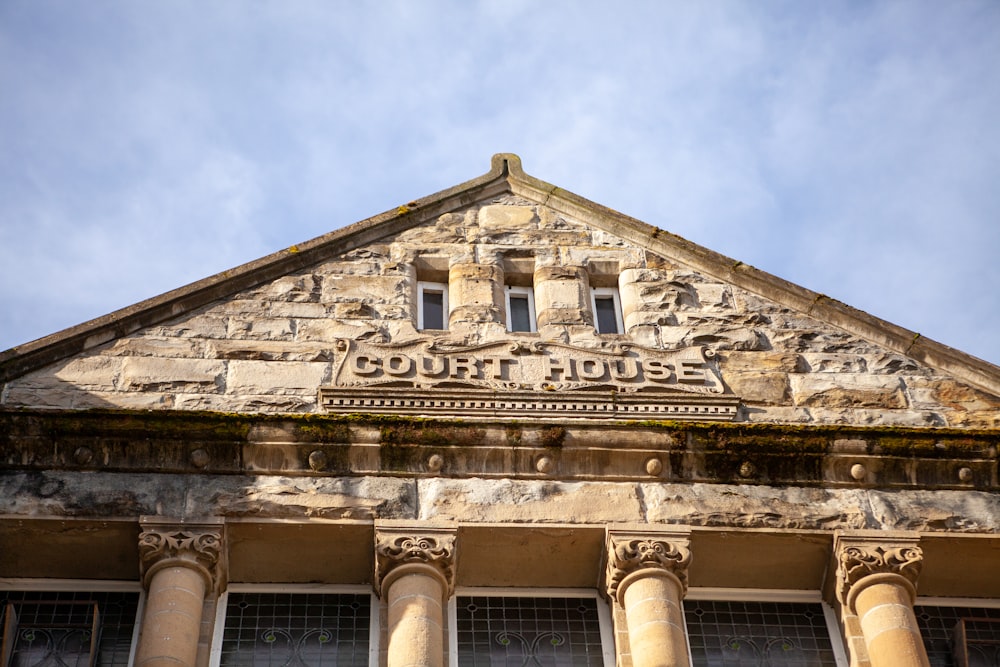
<point>852,148</point>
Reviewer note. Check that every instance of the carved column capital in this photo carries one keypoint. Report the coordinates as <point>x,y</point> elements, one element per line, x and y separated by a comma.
<point>863,560</point>
<point>198,546</point>
<point>405,549</point>
<point>654,552</point>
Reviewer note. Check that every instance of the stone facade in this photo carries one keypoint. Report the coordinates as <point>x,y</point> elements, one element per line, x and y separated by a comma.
<point>296,402</point>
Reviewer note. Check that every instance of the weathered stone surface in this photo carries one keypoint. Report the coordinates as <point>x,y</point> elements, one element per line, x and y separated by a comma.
<point>848,391</point>
<point>753,506</point>
<point>56,494</point>
<point>153,373</point>
<point>788,365</point>
<point>770,388</point>
<point>261,377</point>
<point>540,501</point>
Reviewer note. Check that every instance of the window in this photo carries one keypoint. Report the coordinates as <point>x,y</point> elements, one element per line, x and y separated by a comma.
<point>520,308</point>
<point>607,310</point>
<point>432,305</point>
<point>285,626</point>
<point>762,632</point>
<point>512,627</point>
<point>961,635</point>
<point>72,628</point>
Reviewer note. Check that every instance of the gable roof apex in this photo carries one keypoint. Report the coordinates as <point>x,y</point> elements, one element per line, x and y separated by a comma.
<point>506,175</point>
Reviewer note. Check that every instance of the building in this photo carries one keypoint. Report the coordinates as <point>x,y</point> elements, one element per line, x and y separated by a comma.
<point>497,425</point>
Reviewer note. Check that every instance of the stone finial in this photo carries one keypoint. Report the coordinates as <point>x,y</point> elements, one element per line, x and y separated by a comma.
<point>432,549</point>
<point>892,557</point>
<point>177,544</point>
<point>633,552</point>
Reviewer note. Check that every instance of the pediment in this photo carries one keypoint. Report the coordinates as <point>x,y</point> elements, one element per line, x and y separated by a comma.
<point>299,330</point>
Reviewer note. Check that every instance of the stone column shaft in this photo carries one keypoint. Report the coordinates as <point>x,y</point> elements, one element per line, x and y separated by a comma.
<point>877,578</point>
<point>171,623</point>
<point>414,574</point>
<point>647,576</point>
<point>180,565</point>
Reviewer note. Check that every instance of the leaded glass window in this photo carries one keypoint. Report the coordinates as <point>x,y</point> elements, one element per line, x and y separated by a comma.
<point>70,629</point>
<point>296,630</point>
<point>954,634</point>
<point>758,633</point>
<point>528,631</point>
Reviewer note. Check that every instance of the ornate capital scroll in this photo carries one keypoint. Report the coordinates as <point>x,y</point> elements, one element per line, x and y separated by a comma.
<point>892,557</point>
<point>431,549</point>
<point>177,544</point>
<point>634,552</point>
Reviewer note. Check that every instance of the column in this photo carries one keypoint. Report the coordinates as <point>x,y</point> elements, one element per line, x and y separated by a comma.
<point>180,564</point>
<point>562,297</point>
<point>414,574</point>
<point>647,578</point>
<point>876,582</point>
<point>475,296</point>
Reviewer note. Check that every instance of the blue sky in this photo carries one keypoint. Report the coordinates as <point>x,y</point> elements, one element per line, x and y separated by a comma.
<point>852,148</point>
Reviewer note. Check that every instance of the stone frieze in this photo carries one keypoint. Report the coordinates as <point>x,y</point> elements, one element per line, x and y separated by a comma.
<point>517,366</point>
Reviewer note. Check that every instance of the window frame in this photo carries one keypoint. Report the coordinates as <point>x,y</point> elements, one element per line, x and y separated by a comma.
<point>86,586</point>
<point>603,613</point>
<point>604,293</point>
<point>215,653</point>
<point>424,286</point>
<point>528,292</point>
<point>712,594</point>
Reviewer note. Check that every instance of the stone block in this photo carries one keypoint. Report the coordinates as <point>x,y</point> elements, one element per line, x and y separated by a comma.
<point>96,372</point>
<point>754,506</point>
<point>784,362</point>
<point>275,377</point>
<point>498,217</point>
<point>261,328</point>
<point>848,391</point>
<point>159,373</point>
<point>537,501</point>
<point>767,388</point>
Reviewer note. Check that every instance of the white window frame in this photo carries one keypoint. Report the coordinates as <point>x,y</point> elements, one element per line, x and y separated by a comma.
<point>530,294</point>
<point>603,293</point>
<point>710,594</point>
<point>84,586</point>
<point>603,613</point>
<point>215,655</point>
<point>433,288</point>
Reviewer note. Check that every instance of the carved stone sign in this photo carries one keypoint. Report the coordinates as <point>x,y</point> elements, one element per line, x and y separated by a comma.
<point>542,380</point>
<point>516,366</point>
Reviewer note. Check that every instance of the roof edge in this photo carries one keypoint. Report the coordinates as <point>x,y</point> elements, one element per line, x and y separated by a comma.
<point>505,175</point>
<point>49,349</point>
<point>978,372</point>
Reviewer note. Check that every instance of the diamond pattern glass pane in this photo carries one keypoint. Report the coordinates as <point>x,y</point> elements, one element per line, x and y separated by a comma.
<point>56,628</point>
<point>758,633</point>
<point>296,629</point>
<point>522,632</point>
<point>937,627</point>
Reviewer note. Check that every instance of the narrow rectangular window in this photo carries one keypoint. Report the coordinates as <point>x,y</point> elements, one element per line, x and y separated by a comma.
<point>520,309</point>
<point>519,628</point>
<point>68,627</point>
<point>277,628</point>
<point>607,310</point>
<point>432,305</point>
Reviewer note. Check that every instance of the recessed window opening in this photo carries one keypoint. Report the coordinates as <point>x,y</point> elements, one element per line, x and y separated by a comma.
<point>432,305</point>
<point>530,627</point>
<point>607,310</point>
<point>69,627</point>
<point>295,625</point>
<point>520,309</point>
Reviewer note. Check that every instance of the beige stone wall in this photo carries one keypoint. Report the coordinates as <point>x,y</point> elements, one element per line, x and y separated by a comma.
<point>268,349</point>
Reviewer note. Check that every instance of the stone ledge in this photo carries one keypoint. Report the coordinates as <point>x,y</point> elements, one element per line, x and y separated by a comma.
<point>181,442</point>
